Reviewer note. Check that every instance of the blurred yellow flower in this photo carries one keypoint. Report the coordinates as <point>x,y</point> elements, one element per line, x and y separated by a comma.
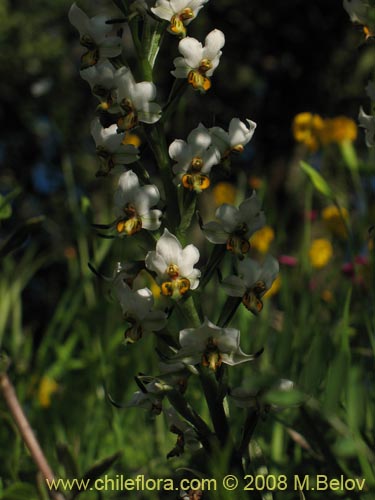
<point>224,192</point>
<point>262,239</point>
<point>334,219</point>
<point>338,129</point>
<point>320,252</point>
<point>327,296</point>
<point>47,387</point>
<point>276,285</point>
<point>132,139</point>
<point>306,129</point>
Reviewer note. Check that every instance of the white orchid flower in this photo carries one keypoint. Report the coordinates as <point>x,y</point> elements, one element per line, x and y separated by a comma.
<point>110,148</point>
<point>198,63</point>
<point>137,308</point>
<point>252,282</point>
<point>194,158</point>
<point>236,225</point>
<point>368,123</point>
<point>133,205</point>
<point>95,35</point>
<point>211,346</point>
<point>174,266</point>
<point>238,135</point>
<point>101,80</point>
<point>180,13</point>
<point>186,434</point>
<point>357,10</point>
<point>134,101</point>
<point>150,398</point>
<point>254,398</point>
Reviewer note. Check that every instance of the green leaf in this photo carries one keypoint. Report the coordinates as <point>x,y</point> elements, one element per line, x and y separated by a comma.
<point>285,398</point>
<point>315,364</point>
<point>5,208</point>
<point>98,470</point>
<point>317,180</point>
<point>336,381</point>
<point>20,491</point>
<point>67,460</point>
<point>349,155</point>
<point>356,399</point>
<point>20,235</point>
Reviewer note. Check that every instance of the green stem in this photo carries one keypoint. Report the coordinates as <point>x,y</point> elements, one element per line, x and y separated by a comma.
<point>249,428</point>
<point>230,307</point>
<point>215,405</point>
<point>189,311</point>
<point>217,255</point>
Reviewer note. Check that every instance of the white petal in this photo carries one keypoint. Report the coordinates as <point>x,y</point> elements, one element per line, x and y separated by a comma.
<point>147,197</point>
<point>193,277</point>
<point>189,256</point>
<point>210,158</point>
<point>151,220</point>
<point>181,68</point>
<point>368,123</point>
<point>156,262</point>
<point>220,138</point>
<point>191,50</point>
<point>154,321</point>
<point>180,151</point>
<point>150,113</point>
<point>214,42</point>
<point>169,247</point>
<point>128,188</point>
<point>229,216</point>
<point>234,286</point>
<point>199,139</point>
<point>163,10</point>
<point>239,133</point>
<point>215,233</point>
<point>250,270</point>
<point>79,19</point>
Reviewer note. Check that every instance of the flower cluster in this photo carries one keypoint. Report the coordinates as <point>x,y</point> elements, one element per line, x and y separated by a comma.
<point>157,216</point>
<point>205,148</point>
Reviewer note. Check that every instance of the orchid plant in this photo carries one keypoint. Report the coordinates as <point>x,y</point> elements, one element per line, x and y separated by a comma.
<point>160,215</point>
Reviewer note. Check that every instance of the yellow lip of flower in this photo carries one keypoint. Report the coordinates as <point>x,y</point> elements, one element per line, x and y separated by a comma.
<point>262,239</point>
<point>320,253</point>
<point>175,288</point>
<point>177,26</point>
<point>47,387</point>
<point>211,357</point>
<point>367,32</point>
<point>224,192</point>
<point>195,182</point>
<point>198,81</point>
<point>131,139</point>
